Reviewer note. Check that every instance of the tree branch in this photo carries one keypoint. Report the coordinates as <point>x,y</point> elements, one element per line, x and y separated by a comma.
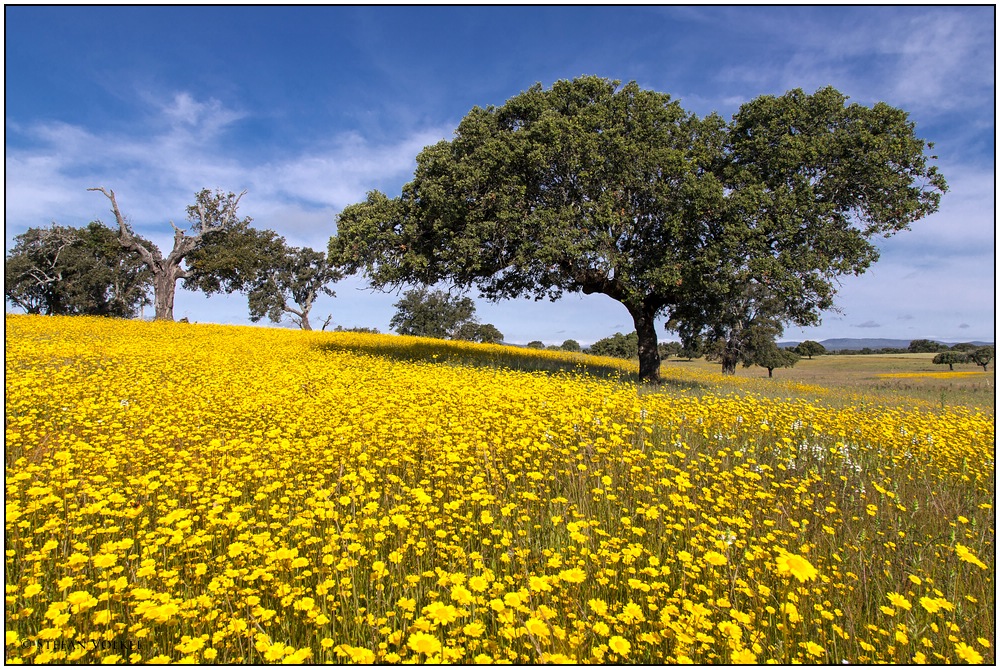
<point>150,258</point>
<point>226,216</point>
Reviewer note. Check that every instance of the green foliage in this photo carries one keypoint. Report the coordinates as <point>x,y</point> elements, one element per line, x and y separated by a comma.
<point>616,346</point>
<point>810,348</point>
<point>926,347</point>
<point>964,347</point>
<point>65,270</point>
<point>772,356</point>
<point>571,345</point>
<point>949,358</point>
<point>486,333</point>
<point>233,260</point>
<point>288,283</point>
<point>536,344</point>
<point>357,329</point>
<point>668,349</point>
<point>982,356</point>
<point>749,320</point>
<point>425,313</point>
<point>594,187</point>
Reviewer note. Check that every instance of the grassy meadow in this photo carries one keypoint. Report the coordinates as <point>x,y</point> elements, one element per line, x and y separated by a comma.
<point>884,378</point>
<point>218,494</point>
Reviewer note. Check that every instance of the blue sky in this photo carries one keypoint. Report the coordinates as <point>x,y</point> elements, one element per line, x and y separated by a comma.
<point>308,108</point>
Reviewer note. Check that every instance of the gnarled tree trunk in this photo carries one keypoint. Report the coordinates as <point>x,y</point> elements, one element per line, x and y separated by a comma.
<point>164,289</point>
<point>649,353</point>
<point>730,357</point>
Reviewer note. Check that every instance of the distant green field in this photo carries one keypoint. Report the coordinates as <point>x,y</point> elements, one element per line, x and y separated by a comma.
<point>967,386</point>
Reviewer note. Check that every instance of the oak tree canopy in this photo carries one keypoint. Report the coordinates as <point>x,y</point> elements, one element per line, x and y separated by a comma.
<point>595,187</point>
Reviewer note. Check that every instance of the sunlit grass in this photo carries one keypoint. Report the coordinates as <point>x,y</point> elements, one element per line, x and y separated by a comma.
<point>905,380</point>
<point>246,495</point>
<point>957,374</point>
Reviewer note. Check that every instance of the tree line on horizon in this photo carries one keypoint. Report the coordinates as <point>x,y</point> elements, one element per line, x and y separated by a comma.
<point>726,229</point>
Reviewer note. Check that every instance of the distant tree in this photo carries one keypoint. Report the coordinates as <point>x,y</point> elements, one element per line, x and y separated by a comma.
<point>668,349</point>
<point>486,333</point>
<point>949,358</point>
<point>925,347</point>
<point>65,270</point>
<point>749,317</point>
<point>773,356</point>
<point>965,347</point>
<point>426,313</point>
<point>213,226</point>
<point>570,345</point>
<point>982,356</point>
<point>466,331</point>
<point>356,329</point>
<point>691,350</point>
<point>290,283</point>
<point>750,326</point>
<point>536,344</point>
<point>810,348</point>
<point>617,346</point>
<point>32,273</point>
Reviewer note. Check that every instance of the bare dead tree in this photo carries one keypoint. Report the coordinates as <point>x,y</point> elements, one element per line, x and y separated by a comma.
<point>208,214</point>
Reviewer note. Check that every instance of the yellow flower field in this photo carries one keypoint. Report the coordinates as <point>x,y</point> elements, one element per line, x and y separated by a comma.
<point>220,494</point>
<point>933,375</point>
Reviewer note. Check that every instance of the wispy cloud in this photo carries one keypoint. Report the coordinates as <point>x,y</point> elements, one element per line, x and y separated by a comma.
<point>155,173</point>
<point>206,117</point>
<point>919,59</point>
<point>867,324</point>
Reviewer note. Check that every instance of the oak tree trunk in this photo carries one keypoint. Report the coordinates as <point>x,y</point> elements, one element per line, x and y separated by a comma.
<point>730,357</point>
<point>164,288</point>
<point>649,353</point>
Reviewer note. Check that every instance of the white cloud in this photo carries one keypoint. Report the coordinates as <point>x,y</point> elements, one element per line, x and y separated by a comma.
<point>343,170</point>
<point>208,116</point>
<point>156,172</point>
<point>963,228</point>
<point>927,59</point>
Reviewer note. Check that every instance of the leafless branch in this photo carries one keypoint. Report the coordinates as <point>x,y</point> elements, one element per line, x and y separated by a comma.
<point>226,216</point>
<point>125,233</point>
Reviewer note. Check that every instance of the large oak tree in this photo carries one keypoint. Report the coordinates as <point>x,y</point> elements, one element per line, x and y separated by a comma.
<point>598,188</point>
